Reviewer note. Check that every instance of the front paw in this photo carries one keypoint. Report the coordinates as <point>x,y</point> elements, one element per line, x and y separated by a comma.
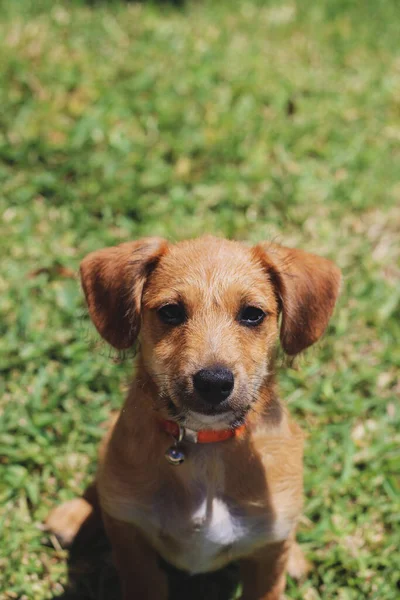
<point>297,565</point>
<point>65,520</point>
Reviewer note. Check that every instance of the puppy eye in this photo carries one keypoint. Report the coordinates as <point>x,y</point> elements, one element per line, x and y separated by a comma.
<point>251,316</point>
<point>172,314</point>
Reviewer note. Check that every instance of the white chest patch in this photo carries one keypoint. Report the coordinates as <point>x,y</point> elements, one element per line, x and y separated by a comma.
<point>214,530</point>
<point>219,527</point>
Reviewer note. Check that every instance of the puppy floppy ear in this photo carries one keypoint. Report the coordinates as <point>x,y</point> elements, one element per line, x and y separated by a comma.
<point>113,281</point>
<point>307,287</point>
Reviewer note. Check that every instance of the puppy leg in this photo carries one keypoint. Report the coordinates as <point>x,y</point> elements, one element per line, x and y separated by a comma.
<point>263,574</point>
<point>136,561</point>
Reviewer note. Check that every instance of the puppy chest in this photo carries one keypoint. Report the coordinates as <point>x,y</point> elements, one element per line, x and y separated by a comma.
<point>208,532</point>
<point>210,536</point>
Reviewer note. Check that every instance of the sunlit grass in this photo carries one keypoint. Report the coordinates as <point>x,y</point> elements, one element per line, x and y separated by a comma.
<point>248,119</point>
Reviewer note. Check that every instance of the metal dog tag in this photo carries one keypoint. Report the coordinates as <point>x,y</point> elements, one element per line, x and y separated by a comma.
<point>174,455</point>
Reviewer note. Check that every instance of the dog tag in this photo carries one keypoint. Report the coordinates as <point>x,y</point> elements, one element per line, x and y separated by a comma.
<point>174,455</point>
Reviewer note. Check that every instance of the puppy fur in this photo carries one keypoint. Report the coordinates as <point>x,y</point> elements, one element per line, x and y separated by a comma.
<point>236,500</point>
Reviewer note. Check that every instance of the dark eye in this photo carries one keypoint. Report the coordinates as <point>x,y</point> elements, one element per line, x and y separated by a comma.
<point>172,314</point>
<point>251,316</point>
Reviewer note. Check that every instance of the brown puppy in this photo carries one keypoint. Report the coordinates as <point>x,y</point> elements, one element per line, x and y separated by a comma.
<point>208,314</point>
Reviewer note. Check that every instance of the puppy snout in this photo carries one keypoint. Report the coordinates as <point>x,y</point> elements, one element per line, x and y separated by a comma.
<point>214,384</point>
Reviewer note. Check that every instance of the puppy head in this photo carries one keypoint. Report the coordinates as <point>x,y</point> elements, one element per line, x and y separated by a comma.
<point>208,311</point>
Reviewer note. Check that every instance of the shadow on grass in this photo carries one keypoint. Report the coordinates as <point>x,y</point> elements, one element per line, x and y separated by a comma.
<point>92,576</point>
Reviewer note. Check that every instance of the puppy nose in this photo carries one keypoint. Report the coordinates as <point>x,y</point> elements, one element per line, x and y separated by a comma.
<point>214,384</point>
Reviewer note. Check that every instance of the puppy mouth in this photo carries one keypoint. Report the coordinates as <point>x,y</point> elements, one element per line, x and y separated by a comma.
<point>211,411</point>
<point>208,417</point>
<point>200,420</point>
<point>176,408</point>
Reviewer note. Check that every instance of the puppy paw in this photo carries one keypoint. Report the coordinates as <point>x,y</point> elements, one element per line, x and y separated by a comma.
<point>297,566</point>
<point>65,520</point>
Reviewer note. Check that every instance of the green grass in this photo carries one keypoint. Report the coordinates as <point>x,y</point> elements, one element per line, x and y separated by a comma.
<point>246,119</point>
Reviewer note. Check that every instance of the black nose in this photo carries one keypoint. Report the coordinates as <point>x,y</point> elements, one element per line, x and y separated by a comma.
<point>214,384</point>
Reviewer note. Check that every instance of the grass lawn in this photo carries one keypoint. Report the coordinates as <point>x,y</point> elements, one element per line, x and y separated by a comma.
<point>248,119</point>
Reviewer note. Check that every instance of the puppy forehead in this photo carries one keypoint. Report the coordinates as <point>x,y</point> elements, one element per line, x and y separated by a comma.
<point>216,269</point>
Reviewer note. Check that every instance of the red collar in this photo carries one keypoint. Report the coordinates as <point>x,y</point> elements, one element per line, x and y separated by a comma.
<point>205,436</point>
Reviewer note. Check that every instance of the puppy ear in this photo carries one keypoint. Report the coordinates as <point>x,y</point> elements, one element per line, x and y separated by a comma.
<point>307,287</point>
<point>113,281</point>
